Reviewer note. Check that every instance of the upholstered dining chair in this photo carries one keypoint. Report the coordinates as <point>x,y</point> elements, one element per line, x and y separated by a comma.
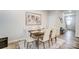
<point>46,37</point>
<point>21,44</point>
<point>29,40</point>
<point>53,36</point>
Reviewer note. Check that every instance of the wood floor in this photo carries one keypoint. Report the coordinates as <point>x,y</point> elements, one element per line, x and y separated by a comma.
<point>71,42</point>
<point>76,43</point>
<point>65,41</point>
<point>69,38</point>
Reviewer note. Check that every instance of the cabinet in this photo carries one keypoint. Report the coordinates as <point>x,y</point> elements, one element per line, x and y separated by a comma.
<point>3,42</point>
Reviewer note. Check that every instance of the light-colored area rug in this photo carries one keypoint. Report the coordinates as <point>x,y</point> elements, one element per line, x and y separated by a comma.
<point>59,44</point>
<point>56,45</point>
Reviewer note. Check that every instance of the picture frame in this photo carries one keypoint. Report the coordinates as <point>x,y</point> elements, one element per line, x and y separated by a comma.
<point>32,18</point>
<point>61,20</point>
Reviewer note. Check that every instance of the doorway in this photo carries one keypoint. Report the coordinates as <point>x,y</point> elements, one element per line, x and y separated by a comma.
<point>69,35</point>
<point>70,20</point>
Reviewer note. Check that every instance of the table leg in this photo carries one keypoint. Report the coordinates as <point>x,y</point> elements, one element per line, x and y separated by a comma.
<point>55,39</point>
<point>37,42</point>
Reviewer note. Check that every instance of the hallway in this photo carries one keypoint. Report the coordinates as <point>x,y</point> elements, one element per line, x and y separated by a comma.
<point>69,38</point>
<point>69,35</point>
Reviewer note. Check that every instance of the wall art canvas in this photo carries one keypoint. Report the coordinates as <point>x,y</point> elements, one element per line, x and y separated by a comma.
<point>33,18</point>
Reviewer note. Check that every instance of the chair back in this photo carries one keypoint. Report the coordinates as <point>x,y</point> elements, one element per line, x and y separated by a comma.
<point>46,34</point>
<point>21,44</point>
<point>53,33</point>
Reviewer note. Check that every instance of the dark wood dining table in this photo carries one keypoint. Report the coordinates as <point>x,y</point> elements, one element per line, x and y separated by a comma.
<point>38,34</point>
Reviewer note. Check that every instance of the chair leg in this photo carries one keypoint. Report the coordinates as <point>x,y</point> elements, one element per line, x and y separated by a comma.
<point>38,44</point>
<point>49,43</point>
<point>27,45</point>
<point>44,45</point>
<point>32,44</point>
<point>55,39</point>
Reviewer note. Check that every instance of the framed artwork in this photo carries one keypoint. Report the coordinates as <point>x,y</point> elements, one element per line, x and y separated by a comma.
<point>61,20</point>
<point>32,18</point>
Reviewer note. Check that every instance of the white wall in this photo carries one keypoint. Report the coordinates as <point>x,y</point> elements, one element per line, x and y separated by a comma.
<point>77,24</point>
<point>44,17</point>
<point>12,22</point>
<point>53,18</point>
<point>54,21</point>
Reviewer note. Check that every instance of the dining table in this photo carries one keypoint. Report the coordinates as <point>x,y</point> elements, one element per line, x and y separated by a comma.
<point>38,34</point>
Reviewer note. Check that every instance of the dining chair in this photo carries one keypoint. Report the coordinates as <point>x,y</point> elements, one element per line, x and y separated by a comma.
<point>29,40</point>
<point>56,34</point>
<point>53,36</point>
<point>46,37</point>
<point>21,44</point>
<point>57,31</point>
